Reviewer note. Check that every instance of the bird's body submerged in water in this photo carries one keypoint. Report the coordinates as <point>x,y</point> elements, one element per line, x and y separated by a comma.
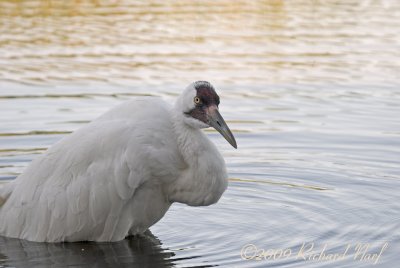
<point>119,175</point>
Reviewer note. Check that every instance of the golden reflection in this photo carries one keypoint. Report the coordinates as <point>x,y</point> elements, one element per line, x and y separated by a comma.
<point>45,42</point>
<point>34,132</point>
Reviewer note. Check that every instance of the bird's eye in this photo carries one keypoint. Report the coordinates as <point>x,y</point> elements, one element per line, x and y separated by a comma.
<point>197,100</point>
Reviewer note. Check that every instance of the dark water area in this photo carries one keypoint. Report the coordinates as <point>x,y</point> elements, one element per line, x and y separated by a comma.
<point>138,251</point>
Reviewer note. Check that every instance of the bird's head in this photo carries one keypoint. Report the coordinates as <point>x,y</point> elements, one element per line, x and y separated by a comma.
<point>199,105</point>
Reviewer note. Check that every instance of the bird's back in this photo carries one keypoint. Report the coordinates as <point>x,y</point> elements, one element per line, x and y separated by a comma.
<point>81,186</point>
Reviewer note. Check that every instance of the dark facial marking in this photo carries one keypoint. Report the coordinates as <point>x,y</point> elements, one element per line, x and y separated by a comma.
<point>208,97</point>
<point>199,113</point>
<point>206,93</point>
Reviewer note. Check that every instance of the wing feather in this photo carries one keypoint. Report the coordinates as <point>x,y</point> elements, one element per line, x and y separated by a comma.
<point>79,189</point>
<point>5,191</point>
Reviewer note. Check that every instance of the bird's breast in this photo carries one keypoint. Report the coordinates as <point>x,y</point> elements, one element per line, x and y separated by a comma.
<point>202,183</point>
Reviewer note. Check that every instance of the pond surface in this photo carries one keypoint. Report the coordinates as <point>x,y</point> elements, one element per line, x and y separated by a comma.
<point>310,89</point>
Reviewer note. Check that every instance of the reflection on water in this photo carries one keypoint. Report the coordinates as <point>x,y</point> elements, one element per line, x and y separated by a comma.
<point>241,42</point>
<point>139,251</point>
<point>310,89</point>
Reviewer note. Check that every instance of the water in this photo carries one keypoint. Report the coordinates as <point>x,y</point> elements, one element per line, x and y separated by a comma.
<point>309,88</point>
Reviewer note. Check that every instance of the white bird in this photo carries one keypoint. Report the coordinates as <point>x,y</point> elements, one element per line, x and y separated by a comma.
<point>118,175</point>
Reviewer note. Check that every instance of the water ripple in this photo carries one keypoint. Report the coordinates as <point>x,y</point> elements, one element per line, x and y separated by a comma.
<point>309,88</point>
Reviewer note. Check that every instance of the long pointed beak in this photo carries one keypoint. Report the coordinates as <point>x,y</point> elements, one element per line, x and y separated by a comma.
<point>216,121</point>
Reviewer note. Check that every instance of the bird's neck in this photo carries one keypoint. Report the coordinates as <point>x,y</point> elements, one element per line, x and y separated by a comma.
<point>192,142</point>
<point>204,180</point>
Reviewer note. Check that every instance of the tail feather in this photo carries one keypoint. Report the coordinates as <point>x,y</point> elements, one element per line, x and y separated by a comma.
<point>5,191</point>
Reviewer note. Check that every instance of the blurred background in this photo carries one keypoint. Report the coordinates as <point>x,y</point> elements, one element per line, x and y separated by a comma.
<point>310,89</point>
<point>136,43</point>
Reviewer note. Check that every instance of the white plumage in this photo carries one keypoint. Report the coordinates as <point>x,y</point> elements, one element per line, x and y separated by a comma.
<point>119,174</point>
